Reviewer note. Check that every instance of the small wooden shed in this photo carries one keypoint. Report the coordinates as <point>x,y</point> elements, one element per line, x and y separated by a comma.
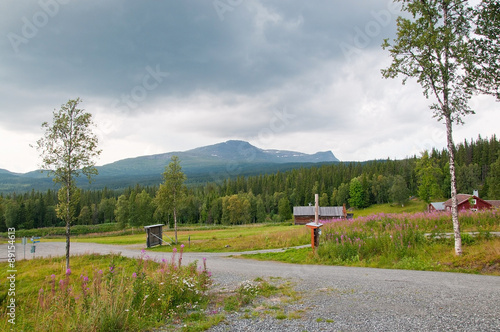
<point>154,235</point>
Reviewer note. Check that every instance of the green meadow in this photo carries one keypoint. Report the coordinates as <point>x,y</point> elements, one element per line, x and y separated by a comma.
<point>114,293</point>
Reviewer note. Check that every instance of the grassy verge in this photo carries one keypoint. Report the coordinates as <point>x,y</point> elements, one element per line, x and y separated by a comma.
<point>482,257</point>
<point>103,293</point>
<point>259,298</point>
<point>115,293</point>
<point>404,241</point>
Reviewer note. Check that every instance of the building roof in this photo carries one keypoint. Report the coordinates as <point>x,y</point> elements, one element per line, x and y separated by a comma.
<point>495,203</point>
<point>461,198</point>
<point>324,211</point>
<point>152,226</point>
<point>439,206</point>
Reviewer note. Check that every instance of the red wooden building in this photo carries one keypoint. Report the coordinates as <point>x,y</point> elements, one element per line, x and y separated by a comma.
<point>464,202</point>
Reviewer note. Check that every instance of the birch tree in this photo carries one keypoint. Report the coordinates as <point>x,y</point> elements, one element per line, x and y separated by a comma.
<point>171,192</point>
<point>433,45</point>
<point>68,149</point>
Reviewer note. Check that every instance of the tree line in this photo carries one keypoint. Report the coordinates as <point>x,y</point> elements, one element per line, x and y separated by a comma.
<point>271,197</point>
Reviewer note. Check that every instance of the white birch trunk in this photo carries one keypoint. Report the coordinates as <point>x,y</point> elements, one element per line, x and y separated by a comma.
<point>454,202</point>
<point>68,225</point>
<point>175,224</point>
<point>451,146</point>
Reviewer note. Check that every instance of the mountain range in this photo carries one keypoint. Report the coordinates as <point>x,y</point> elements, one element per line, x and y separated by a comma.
<point>204,164</point>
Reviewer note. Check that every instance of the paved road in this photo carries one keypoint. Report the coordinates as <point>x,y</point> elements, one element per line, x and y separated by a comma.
<point>342,298</point>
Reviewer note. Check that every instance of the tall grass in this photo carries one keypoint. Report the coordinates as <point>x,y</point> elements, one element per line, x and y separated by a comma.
<point>122,296</point>
<point>396,237</point>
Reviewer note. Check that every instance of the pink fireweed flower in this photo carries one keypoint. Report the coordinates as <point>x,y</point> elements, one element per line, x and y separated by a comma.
<point>174,250</point>
<point>68,272</point>
<point>53,276</point>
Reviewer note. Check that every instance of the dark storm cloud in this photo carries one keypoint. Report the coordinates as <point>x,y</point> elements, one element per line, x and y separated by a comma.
<point>104,47</point>
<point>169,75</point>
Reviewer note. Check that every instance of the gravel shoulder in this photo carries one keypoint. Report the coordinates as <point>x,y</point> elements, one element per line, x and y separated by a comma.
<point>335,298</point>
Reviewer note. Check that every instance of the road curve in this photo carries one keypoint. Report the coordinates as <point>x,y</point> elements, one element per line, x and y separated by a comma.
<point>336,298</point>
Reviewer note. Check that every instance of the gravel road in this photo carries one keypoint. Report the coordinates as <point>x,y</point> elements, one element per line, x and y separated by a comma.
<point>337,298</point>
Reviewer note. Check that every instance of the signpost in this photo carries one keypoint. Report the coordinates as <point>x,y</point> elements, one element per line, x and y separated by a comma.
<point>33,241</point>
<point>315,226</point>
<point>24,241</point>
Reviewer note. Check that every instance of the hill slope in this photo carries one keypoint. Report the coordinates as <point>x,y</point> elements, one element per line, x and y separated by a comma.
<point>208,163</point>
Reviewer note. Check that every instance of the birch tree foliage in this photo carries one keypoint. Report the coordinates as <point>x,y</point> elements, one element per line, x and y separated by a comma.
<point>433,45</point>
<point>485,67</point>
<point>68,149</point>
<point>172,191</point>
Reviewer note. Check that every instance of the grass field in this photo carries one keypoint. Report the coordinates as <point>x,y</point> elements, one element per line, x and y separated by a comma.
<point>103,293</point>
<point>115,293</point>
<point>385,236</point>
<point>100,291</point>
<point>411,206</point>
<point>239,238</point>
<point>415,241</point>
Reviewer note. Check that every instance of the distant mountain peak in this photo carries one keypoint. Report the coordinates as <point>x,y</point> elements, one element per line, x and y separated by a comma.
<point>246,152</point>
<point>211,162</point>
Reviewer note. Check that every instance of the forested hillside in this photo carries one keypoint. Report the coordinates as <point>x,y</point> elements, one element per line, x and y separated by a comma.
<point>271,197</point>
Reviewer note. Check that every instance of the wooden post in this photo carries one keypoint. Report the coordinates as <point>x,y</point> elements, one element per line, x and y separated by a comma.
<point>316,209</point>
<point>314,226</point>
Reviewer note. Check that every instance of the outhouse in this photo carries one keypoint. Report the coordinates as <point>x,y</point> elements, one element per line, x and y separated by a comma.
<point>154,235</point>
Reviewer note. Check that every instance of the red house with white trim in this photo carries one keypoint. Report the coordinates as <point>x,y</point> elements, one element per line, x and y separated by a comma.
<point>464,202</point>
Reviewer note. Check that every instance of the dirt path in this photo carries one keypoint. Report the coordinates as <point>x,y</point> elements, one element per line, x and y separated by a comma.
<point>350,299</point>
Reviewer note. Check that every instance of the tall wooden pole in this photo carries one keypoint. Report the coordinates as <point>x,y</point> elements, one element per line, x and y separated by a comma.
<point>316,209</point>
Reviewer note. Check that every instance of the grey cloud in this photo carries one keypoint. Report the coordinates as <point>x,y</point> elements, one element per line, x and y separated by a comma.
<point>319,60</point>
<point>103,48</point>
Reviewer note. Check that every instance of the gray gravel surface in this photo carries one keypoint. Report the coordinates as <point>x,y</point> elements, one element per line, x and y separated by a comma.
<point>334,298</point>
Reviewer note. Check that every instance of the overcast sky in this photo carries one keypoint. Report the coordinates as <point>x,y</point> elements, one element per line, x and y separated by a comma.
<point>161,76</point>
